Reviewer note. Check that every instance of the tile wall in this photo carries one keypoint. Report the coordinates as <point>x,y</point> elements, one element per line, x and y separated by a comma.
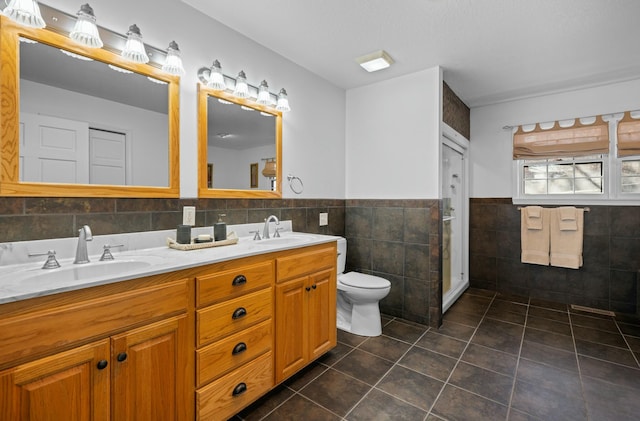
<point>23,219</point>
<point>608,279</point>
<point>399,240</point>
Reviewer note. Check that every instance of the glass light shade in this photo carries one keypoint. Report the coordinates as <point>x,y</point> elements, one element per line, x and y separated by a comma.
<point>78,56</point>
<point>119,69</point>
<point>85,31</point>
<point>270,169</point>
<point>25,12</point>
<point>216,78</point>
<point>134,48</point>
<point>283,101</point>
<point>173,62</point>
<point>264,97</point>
<point>158,81</point>
<point>242,89</point>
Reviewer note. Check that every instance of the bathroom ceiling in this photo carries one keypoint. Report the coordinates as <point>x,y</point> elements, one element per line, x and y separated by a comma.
<point>491,50</point>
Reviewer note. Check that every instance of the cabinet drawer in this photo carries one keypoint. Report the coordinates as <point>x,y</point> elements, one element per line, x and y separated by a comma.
<point>228,395</point>
<point>232,316</point>
<point>306,262</point>
<point>231,283</point>
<point>231,352</point>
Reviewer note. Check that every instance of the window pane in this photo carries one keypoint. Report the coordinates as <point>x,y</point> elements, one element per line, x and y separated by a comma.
<point>630,168</point>
<point>588,185</point>
<point>561,171</point>
<point>631,184</point>
<point>561,186</point>
<point>535,187</point>
<point>535,171</point>
<point>589,169</point>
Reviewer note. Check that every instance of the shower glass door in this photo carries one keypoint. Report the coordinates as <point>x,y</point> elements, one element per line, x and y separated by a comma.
<point>454,217</point>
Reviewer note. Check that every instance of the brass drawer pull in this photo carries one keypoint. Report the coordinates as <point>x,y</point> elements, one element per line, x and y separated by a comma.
<point>239,389</point>
<point>240,312</point>
<point>239,280</point>
<point>239,348</point>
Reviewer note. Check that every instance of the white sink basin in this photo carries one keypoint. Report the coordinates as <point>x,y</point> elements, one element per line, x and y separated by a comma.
<point>70,274</point>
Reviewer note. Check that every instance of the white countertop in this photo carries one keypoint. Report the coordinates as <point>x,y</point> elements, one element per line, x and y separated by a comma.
<point>142,254</point>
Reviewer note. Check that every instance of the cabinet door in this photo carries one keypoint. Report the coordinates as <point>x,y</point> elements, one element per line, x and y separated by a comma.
<point>322,313</point>
<point>291,331</point>
<point>71,386</point>
<point>149,369</point>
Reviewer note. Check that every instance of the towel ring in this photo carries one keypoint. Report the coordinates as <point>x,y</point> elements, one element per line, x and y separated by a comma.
<point>586,208</point>
<point>292,179</point>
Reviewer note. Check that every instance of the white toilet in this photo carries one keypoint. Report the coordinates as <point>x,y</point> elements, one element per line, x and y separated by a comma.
<point>358,297</point>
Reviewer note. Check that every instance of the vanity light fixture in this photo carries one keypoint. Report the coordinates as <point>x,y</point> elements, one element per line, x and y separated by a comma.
<point>224,101</point>
<point>25,12</point>
<point>264,97</point>
<point>283,101</point>
<point>173,62</point>
<point>85,31</point>
<point>241,89</point>
<point>158,81</point>
<point>78,56</point>
<point>244,107</point>
<point>375,61</point>
<point>134,48</point>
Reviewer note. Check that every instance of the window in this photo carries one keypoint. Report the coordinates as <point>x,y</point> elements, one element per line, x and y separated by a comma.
<point>574,175</point>
<point>551,168</point>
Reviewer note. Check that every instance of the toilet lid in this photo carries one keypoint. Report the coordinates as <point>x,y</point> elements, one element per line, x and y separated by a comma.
<point>360,280</point>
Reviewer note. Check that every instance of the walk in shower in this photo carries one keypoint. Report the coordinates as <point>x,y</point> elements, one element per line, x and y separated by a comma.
<point>455,202</point>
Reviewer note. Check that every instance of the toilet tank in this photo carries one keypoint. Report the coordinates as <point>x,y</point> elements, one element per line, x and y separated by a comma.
<point>342,254</point>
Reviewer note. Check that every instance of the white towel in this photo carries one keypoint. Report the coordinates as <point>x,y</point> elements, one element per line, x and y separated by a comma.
<point>533,216</point>
<point>566,244</point>
<point>535,241</point>
<point>567,218</point>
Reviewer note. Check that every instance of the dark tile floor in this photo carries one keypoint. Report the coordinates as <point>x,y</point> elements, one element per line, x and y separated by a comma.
<point>496,357</point>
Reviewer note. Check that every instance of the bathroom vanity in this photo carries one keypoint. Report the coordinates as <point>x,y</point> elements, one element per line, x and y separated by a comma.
<point>200,336</point>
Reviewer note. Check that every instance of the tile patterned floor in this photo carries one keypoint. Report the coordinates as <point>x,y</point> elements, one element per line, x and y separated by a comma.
<point>496,357</point>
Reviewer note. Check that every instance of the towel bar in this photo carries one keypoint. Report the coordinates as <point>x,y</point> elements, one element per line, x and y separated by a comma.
<point>586,208</point>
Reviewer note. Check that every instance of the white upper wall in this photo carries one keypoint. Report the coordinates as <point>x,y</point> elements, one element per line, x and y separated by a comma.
<point>491,147</point>
<point>313,132</point>
<point>393,138</point>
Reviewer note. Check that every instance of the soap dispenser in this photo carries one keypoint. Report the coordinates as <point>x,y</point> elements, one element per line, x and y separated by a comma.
<point>220,229</point>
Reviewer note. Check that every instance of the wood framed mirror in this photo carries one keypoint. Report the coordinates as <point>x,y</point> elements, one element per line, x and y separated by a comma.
<point>72,126</point>
<point>233,134</point>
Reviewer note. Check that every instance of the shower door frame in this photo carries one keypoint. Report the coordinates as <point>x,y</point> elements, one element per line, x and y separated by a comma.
<point>460,144</point>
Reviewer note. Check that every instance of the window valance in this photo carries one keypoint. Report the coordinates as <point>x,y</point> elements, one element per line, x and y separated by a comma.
<point>577,140</point>
<point>628,135</point>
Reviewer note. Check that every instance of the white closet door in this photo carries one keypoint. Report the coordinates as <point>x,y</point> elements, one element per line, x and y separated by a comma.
<point>107,157</point>
<point>53,150</point>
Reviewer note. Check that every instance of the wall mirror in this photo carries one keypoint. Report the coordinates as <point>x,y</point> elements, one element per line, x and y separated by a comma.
<point>233,136</point>
<point>83,122</point>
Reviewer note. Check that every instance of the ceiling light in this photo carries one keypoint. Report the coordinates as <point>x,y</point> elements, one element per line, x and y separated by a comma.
<point>264,97</point>
<point>25,12</point>
<point>375,61</point>
<point>173,62</point>
<point>283,102</point>
<point>223,135</point>
<point>242,89</point>
<point>134,48</point>
<point>85,31</point>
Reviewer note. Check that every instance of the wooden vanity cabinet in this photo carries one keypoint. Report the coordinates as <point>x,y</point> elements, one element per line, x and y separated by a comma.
<point>234,335</point>
<point>305,307</point>
<point>134,367</point>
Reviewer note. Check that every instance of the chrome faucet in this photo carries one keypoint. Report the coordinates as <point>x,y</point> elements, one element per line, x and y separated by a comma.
<point>265,233</point>
<point>81,251</point>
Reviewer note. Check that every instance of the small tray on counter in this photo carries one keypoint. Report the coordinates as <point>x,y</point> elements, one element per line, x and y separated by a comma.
<point>232,238</point>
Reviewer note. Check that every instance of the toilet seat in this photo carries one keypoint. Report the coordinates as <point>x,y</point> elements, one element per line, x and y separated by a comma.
<point>361,280</point>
